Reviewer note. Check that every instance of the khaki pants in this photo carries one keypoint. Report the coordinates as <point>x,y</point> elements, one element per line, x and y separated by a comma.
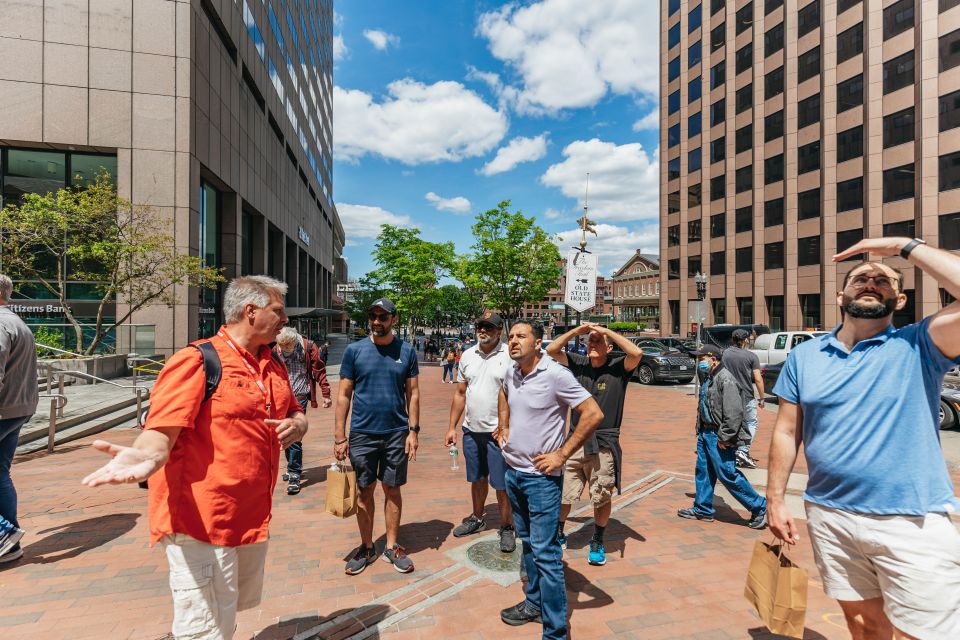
<point>210,584</point>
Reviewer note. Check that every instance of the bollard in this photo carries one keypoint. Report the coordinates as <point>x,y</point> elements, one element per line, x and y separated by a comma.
<point>135,379</point>
<point>52,428</point>
<point>49,377</point>
<point>139,405</point>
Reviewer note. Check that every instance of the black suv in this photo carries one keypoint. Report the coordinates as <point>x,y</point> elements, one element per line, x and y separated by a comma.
<point>722,334</point>
<point>660,363</point>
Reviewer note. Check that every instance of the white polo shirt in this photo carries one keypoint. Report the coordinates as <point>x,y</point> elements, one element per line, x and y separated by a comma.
<point>484,375</point>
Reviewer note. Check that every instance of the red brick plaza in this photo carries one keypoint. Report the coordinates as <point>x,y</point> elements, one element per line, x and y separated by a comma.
<point>88,571</point>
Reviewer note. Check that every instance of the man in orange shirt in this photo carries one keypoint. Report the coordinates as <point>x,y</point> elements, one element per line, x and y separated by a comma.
<point>213,463</point>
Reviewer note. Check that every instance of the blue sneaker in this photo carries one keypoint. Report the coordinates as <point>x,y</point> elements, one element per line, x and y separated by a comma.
<point>597,555</point>
<point>562,539</point>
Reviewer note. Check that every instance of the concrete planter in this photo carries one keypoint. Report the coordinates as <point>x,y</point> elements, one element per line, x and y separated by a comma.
<point>106,367</point>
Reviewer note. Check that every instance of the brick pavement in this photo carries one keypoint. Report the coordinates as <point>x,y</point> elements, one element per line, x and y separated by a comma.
<point>88,571</point>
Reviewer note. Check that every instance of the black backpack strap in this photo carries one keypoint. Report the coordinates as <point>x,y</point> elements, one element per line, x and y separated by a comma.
<point>211,367</point>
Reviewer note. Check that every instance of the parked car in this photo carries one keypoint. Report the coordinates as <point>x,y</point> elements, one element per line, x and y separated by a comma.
<point>721,335</point>
<point>682,345</point>
<point>772,348</point>
<point>660,363</point>
<point>770,373</point>
<point>950,402</point>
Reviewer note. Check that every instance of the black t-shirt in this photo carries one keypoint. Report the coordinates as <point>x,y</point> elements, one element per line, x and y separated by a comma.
<point>607,384</point>
<point>741,363</point>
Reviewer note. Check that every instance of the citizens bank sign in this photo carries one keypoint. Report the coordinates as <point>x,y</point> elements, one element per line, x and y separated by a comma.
<point>37,310</point>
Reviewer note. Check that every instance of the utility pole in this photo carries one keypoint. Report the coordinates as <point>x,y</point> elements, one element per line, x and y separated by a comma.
<point>586,225</point>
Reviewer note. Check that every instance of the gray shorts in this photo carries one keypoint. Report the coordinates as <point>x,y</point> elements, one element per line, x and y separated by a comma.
<point>380,456</point>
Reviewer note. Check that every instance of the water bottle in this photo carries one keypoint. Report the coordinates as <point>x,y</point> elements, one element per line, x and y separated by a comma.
<point>454,462</point>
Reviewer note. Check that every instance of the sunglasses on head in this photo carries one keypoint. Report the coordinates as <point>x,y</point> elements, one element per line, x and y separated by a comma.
<point>382,317</point>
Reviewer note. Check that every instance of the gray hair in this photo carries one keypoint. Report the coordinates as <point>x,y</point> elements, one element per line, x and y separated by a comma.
<point>246,290</point>
<point>288,335</point>
<point>6,287</point>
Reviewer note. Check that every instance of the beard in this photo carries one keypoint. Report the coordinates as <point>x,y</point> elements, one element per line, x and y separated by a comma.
<point>488,340</point>
<point>869,310</point>
<point>379,330</point>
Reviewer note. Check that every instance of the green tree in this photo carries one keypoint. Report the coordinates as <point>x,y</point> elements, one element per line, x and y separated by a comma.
<point>123,251</point>
<point>367,292</point>
<point>514,261</point>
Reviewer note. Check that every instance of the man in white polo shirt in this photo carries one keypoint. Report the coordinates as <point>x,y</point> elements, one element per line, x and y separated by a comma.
<point>534,400</point>
<point>482,370</point>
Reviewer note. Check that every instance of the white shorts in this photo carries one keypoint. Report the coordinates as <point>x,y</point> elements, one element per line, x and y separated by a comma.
<point>210,584</point>
<point>912,562</point>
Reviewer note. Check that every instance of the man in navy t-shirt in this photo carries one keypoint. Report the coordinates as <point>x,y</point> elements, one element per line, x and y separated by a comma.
<point>378,376</point>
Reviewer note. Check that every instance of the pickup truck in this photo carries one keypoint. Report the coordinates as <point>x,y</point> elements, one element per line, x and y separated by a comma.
<point>772,348</point>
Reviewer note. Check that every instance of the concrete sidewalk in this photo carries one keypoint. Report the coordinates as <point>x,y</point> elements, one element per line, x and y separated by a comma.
<point>88,571</point>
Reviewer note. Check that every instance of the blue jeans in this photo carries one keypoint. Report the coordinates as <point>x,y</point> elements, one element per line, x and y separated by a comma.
<point>9,433</point>
<point>535,500</point>
<point>294,453</point>
<point>750,423</point>
<point>714,463</point>
<point>448,370</point>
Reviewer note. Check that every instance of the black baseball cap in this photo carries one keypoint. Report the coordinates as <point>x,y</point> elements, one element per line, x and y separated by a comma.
<point>489,317</point>
<point>708,350</point>
<point>386,304</point>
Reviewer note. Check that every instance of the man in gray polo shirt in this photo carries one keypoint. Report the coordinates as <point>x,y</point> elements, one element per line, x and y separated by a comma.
<point>536,395</point>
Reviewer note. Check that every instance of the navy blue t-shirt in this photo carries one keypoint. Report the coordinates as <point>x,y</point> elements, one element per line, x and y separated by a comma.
<point>379,375</point>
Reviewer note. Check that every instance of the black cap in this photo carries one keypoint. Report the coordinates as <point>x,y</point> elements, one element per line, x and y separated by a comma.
<point>741,334</point>
<point>386,304</point>
<point>490,317</point>
<point>708,350</point>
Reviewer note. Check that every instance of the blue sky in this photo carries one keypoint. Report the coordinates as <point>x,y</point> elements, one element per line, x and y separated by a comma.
<point>443,108</point>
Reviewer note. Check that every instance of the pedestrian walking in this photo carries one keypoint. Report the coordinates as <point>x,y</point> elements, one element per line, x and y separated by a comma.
<point>719,430</point>
<point>18,403</point>
<point>534,400</point>
<point>482,371</point>
<point>448,357</point>
<point>744,365</point>
<point>325,351</point>
<point>597,465</point>
<point>378,379</point>
<point>864,402</point>
<point>212,463</point>
<point>306,370</point>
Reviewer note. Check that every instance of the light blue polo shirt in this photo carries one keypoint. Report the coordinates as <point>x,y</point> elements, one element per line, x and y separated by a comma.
<point>871,421</point>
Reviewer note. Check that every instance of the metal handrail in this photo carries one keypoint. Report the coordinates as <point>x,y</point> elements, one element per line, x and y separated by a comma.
<point>135,358</point>
<point>137,389</point>
<point>57,402</point>
<point>58,350</point>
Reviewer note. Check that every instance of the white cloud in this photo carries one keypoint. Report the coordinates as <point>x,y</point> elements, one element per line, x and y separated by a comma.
<point>517,150</point>
<point>415,123</point>
<point>624,179</point>
<point>610,46</point>
<point>340,50</point>
<point>551,214</point>
<point>362,221</point>
<point>381,40</point>
<point>614,244</point>
<point>648,122</point>
<point>456,205</point>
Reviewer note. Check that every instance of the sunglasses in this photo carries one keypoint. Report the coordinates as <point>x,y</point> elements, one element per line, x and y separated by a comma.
<point>382,317</point>
<point>485,327</point>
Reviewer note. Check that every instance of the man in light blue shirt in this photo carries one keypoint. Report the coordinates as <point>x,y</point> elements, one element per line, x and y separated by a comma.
<point>864,402</point>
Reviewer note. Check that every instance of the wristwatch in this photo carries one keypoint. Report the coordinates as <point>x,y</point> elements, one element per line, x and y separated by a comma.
<point>415,428</point>
<point>910,246</point>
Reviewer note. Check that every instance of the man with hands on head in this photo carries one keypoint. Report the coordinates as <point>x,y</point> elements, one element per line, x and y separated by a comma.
<point>533,404</point>
<point>212,464</point>
<point>864,400</point>
<point>597,464</point>
<point>378,378</point>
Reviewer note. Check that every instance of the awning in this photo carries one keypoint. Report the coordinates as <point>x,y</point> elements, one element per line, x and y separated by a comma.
<point>311,312</point>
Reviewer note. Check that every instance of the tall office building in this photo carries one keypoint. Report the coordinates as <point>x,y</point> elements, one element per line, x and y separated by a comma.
<point>790,130</point>
<point>216,113</point>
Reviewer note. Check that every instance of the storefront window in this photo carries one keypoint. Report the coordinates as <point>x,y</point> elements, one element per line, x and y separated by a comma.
<point>209,315</point>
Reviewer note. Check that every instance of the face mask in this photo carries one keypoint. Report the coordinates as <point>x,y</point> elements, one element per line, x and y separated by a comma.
<point>703,366</point>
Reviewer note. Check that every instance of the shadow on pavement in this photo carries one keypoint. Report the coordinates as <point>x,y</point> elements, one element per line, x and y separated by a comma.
<point>43,453</point>
<point>313,475</point>
<point>419,536</point>
<point>76,538</point>
<point>353,621</point>
<point>725,513</point>
<point>761,633</point>
<point>582,593</point>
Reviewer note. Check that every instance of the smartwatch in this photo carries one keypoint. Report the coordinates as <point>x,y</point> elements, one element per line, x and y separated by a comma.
<point>415,428</point>
<point>910,246</point>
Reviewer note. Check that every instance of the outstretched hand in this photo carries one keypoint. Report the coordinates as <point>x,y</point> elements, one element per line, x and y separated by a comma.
<point>885,247</point>
<point>128,465</point>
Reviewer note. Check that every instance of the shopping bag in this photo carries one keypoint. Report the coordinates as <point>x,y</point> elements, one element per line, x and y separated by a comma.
<point>341,491</point>
<point>777,589</point>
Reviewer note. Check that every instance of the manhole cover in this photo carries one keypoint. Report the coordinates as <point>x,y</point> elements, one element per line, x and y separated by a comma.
<point>487,555</point>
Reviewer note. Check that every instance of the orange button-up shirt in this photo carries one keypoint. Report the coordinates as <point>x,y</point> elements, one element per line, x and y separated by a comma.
<point>218,483</point>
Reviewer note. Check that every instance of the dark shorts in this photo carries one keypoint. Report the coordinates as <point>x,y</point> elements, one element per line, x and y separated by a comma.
<point>483,459</point>
<point>379,457</point>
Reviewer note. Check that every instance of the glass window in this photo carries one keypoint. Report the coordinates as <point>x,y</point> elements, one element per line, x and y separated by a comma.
<point>673,168</point>
<point>898,73</point>
<point>950,231</point>
<point>745,308</point>
<point>695,18</point>
<point>673,69</point>
<point>949,51</point>
<point>808,251</point>
<point>28,171</point>
<point>745,57</point>
<point>718,112</point>
<point>718,226</point>
<point>773,83</point>
<point>718,74</point>
<point>808,157</point>
<point>673,136</point>
<point>744,139</point>
<point>808,204</point>
<point>897,18</point>
<point>717,5</point>
<point>673,36</point>
<point>744,18</point>
<point>773,40</point>
<point>693,195</point>
<point>743,259</point>
<point>718,149</point>
<point>745,98</point>
<point>773,255</point>
<point>810,310</point>
<point>693,125</point>
<point>950,171</point>
<point>673,202</point>
<point>209,250</point>
<point>693,230</point>
<point>850,195</point>
<point>673,236</point>
<point>775,312</point>
<point>673,269</point>
<point>718,263</point>
<point>808,111</point>
<point>673,102</point>
<point>950,111</point>
<point>718,187</point>
<point>694,265</point>
<point>694,160</point>
<point>84,168</point>
<point>846,239</point>
<point>898,183</point>
<point>773,169</point>
<point>898,128</point>
<point>718,36</point>
<point>850,93</point>
<point>743,220</point>
<point>808,64</point>
<point>719,306</point>
<point>850,144</point>
<point>843,5</point>
<point>773,212</point>
<point>743,180</point>
<point>905,229</point>
<point>769,6</point>
<point>948,4</point>
<point>694,90</point>
<point>808,19</point>
<point>694,55</point>
<point>850,43</point>
<point>672,7</point>
<point>773,126</point>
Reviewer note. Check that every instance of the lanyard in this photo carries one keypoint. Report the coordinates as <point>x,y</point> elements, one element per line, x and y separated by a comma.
<point>256,377</point>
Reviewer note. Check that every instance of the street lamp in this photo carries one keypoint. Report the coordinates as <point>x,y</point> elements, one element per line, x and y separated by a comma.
<point>701,280</point>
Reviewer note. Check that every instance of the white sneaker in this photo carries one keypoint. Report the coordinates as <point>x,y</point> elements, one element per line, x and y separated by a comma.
<point>11,556</point>
<point>10,539</point>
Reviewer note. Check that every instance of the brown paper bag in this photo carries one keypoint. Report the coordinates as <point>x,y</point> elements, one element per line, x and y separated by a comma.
<point>777,589</point>
<point>341,491</point>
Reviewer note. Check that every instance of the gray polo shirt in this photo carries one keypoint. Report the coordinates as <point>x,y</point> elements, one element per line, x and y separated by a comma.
<point>538,411</point>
